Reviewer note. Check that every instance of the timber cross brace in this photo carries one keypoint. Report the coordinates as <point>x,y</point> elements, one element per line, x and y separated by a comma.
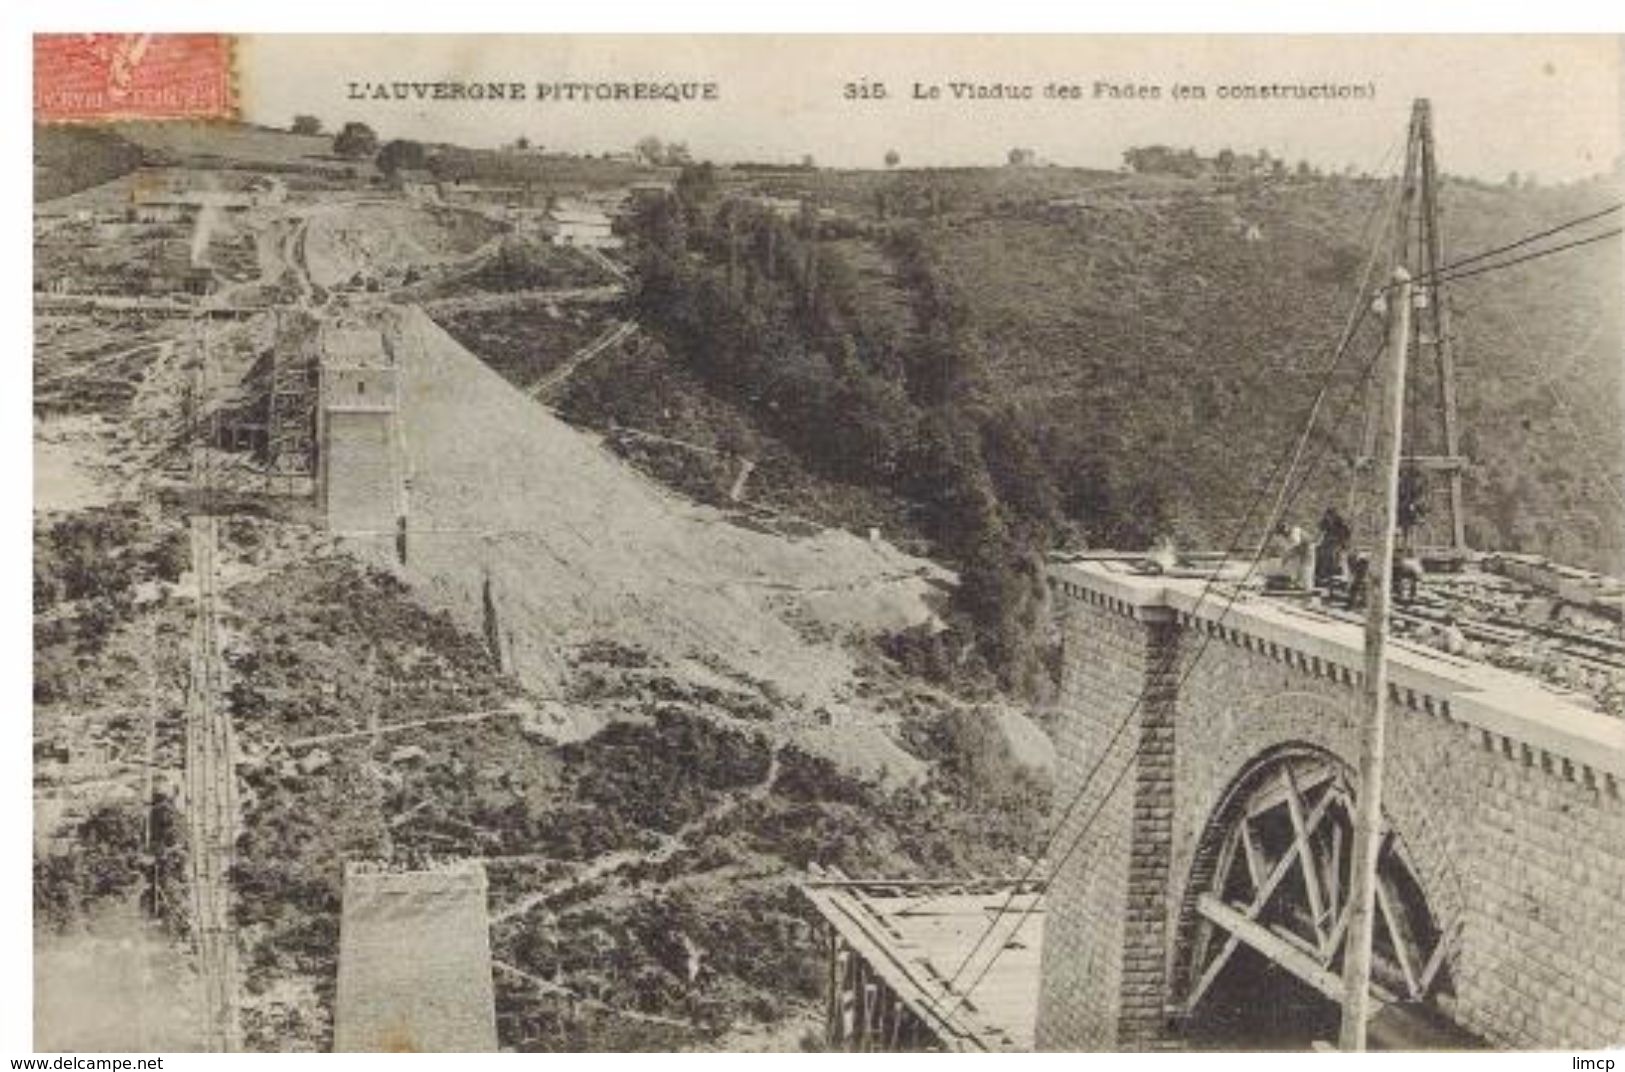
<point>1281,881</point>
<point>1206,903</point>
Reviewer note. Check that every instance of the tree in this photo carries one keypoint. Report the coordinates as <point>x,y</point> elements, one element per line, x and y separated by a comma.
<point>649,149</point>
<point>521,143</point>
<point>1160,159</point>
<point>306,124</point>
<point>399,155</point>
<point>807,161</point>
<point>1225,161</point>
<point>697,183</point>
<point>1021,157</point>
<point>893,158</point>
<point>677,154</point>
<point>356,140</point>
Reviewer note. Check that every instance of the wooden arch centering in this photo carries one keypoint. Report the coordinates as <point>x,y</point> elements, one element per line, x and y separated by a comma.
<point>1281,881</point>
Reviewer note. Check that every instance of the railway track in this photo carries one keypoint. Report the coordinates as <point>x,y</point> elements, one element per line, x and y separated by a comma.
<point>210,783</point>
<point>1498,633</point>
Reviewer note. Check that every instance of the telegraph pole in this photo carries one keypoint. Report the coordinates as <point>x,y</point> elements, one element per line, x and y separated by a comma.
<point>1374,700</point>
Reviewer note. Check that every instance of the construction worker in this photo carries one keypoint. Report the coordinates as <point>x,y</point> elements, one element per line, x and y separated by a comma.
<point>1411,506</point>
<point>1359,578</point>
<point>1407,576</point>
<point>1329,553</point>
<point>1298,559</point>
<point>1404,580</point>
<point>1163,555</point>
<point>1453,640</point>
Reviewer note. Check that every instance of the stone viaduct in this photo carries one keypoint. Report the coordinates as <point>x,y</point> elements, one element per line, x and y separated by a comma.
<point>1224,846</point>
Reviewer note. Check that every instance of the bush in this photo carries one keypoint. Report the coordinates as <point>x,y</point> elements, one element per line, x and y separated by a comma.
<point>661,777</point>
<point>355,140</point>
<point>103,862</point>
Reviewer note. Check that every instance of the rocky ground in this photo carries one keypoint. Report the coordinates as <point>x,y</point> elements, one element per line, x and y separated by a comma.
<point>676,711</point>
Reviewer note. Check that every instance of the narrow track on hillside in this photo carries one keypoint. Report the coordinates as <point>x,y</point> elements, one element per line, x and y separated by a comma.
<point>616,334</point>
<point>667,847</point>
<point>210,775</point>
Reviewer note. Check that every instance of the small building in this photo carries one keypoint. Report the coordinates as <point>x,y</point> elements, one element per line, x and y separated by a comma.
<point>650,191</point>
<point>199,281</point>
<point>166,204</point>
<point>418,184</point>
<point>533,222</point>
<point>582,227</point>
<point>467,192</point>
<point>265,190</point>
<point>161,208</point>
<point>612,202</point>
<point>785,208</point>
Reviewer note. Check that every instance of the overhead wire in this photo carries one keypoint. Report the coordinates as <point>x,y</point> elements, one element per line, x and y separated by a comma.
<point>1077,840</point>
<point>1454,270</point>
<point>1303,478</point>
<point>1362,308</point>
<point>1530,238</point>
<point>1450,277</point>
<point>1283,468</point>
<point>1590,453</point>
<point>1548,383</point>
<point>1077,798</point>
<point>1357,318</point>
<point>1284,501</point>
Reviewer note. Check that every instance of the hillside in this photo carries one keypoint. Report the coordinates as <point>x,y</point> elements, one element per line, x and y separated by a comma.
<point>1158,339</point>
<point>645,717</point>
<point>1071,359</point>
<point>1194,342</point>
<point>646,714</point>
<point>69,158</point>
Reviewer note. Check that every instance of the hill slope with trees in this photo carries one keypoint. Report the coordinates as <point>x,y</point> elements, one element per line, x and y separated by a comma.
<point>1029,366</point>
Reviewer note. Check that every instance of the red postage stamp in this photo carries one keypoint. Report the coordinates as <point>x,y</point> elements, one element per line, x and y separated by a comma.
<point>133,76</point>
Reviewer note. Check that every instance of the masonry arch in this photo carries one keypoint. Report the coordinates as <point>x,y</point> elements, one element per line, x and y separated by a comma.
<point>1265,916</point>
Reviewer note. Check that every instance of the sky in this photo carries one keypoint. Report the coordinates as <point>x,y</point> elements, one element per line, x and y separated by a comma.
<point>1547,105</point>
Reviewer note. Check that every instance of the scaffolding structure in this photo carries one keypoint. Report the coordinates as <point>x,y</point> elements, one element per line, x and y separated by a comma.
<point>290,448</point>
<point>906,971</point>
<point>1431,465</point>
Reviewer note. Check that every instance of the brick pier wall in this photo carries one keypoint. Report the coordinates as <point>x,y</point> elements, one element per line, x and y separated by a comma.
<point>1516,833</point>
<point>356,453</point>
<point>1104,971</point>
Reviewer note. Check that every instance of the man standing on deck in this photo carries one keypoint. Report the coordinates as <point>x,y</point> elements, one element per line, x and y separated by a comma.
<point>1298,559</point>
<point>1334,541</point>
